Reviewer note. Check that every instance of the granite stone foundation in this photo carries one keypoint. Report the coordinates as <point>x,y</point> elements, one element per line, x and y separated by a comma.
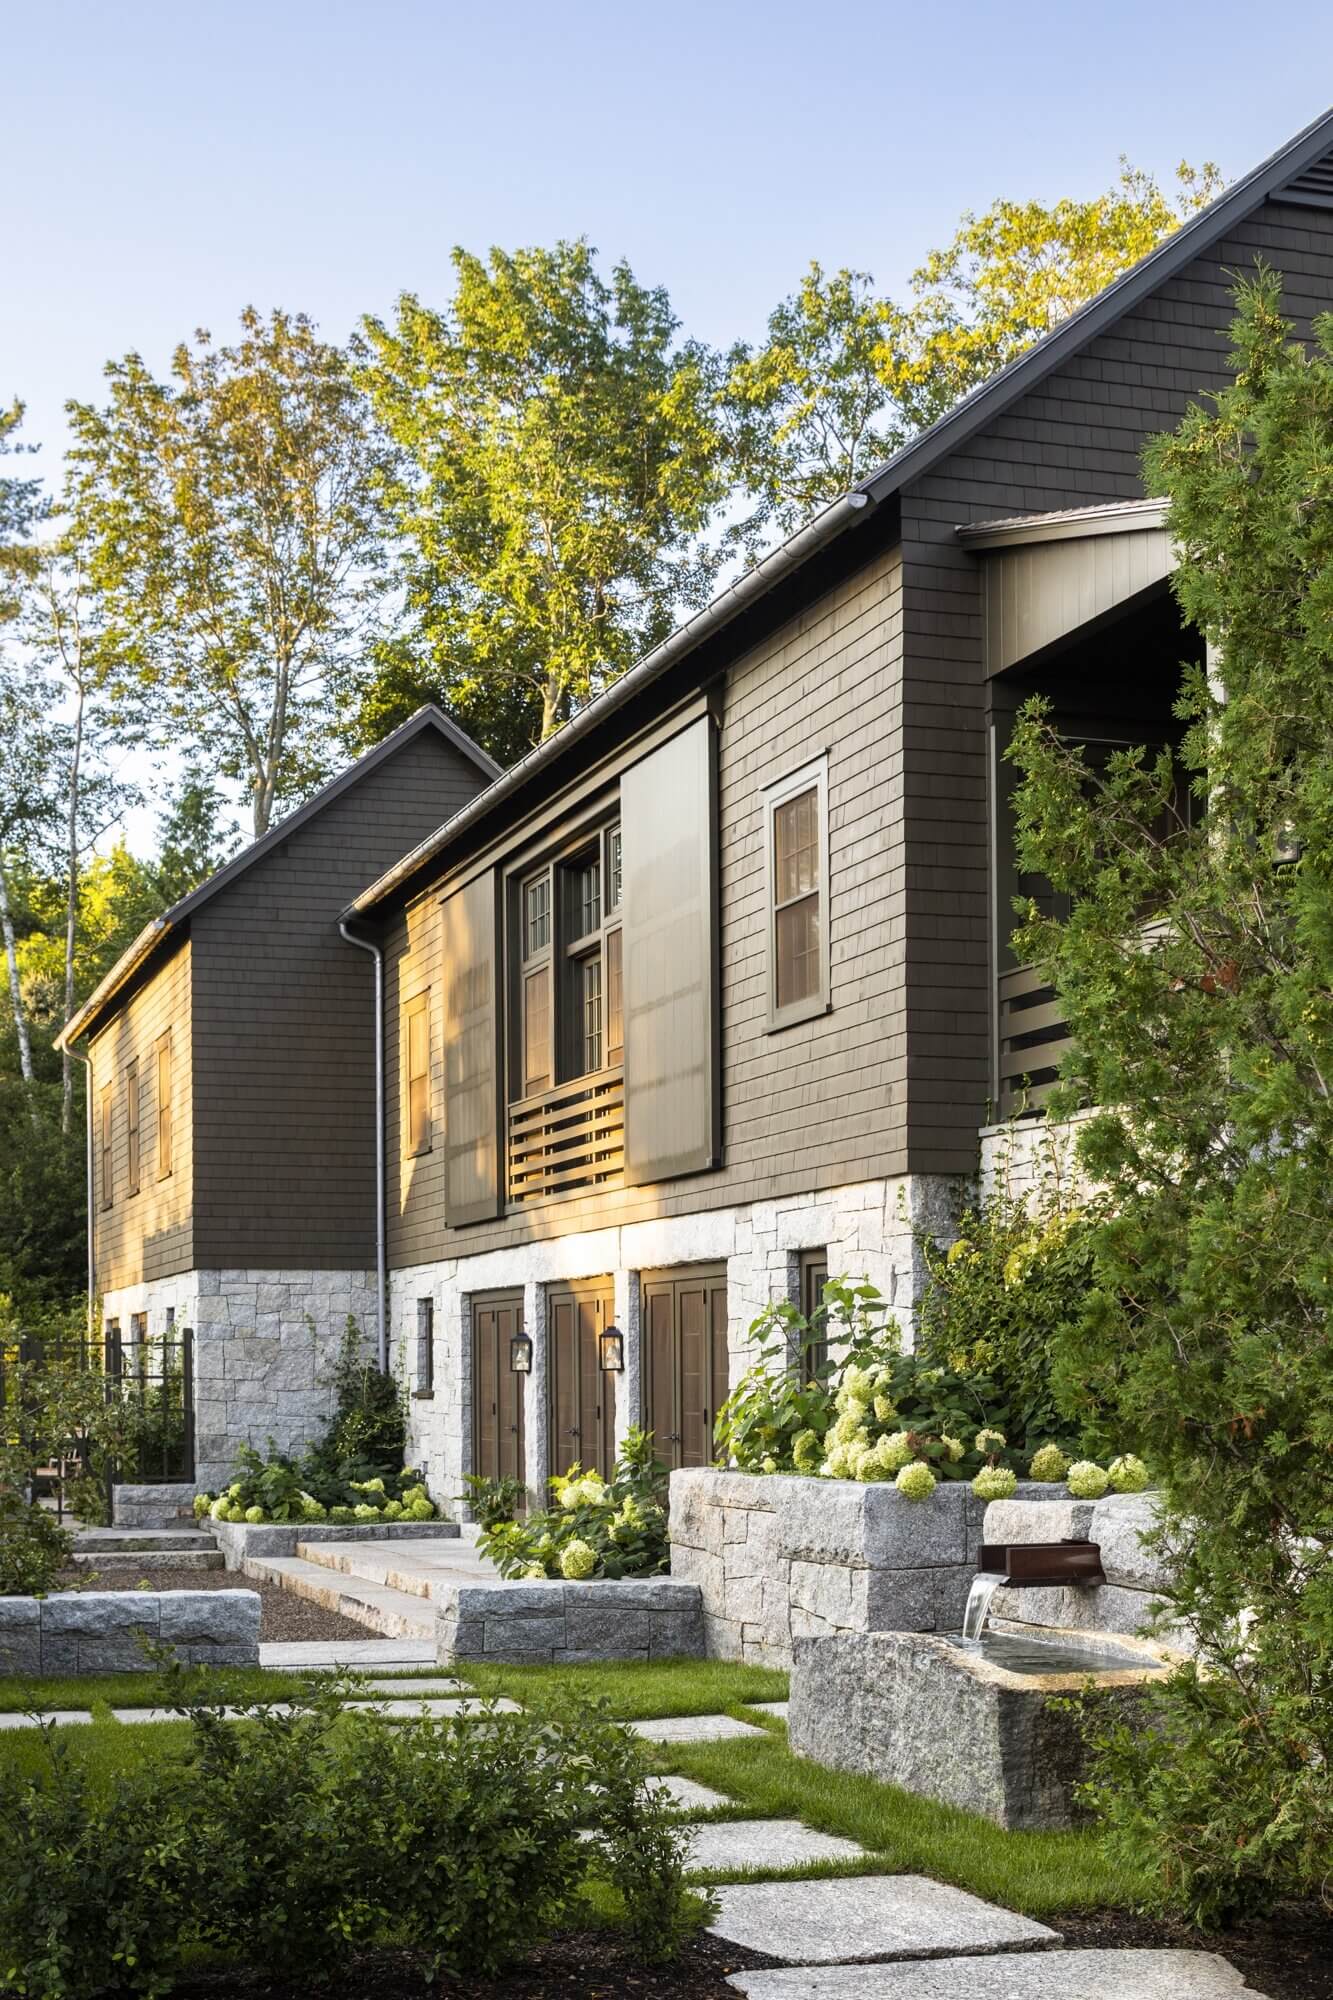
<point>923,1712</point>
<point>568,1624</point>
<point>104,1632</point>
<point>781,1558</point>
<point>264,1347</point>
<point>869,1230</point>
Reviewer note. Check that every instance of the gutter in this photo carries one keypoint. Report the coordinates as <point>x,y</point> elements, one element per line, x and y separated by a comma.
<point>839,515</point>
<point>381,1198</point>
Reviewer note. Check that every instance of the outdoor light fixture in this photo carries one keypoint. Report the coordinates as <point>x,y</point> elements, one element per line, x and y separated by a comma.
<point>612,1345</point>
<point>520,1354</point>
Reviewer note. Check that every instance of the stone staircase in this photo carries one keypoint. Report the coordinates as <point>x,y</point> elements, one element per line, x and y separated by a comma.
<point>389,1587</point>
<point>145,1550</point>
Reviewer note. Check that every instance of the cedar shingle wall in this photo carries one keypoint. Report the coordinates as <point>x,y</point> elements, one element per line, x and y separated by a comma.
<point>1073,440</point>
<point>821,1103</point>
<point>283,1009</point>
<point>145,1235</point>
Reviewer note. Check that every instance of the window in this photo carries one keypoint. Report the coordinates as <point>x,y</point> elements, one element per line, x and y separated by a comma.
<point>164,1124</point>
<point>132,1128</point>
<point>568,983</point>
<point>813,1269</point>
<point>796,868</point>
<point>107,1113</point>
<point>416,1065</point>
<point>425,1348</point>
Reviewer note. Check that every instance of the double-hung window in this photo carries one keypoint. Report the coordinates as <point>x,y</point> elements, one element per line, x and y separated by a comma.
<point>569,973</point>
<point>796,878</point>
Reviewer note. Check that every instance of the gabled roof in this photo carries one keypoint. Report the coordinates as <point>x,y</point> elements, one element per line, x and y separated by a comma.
<point>1301,172</point>
<point>428,717</point>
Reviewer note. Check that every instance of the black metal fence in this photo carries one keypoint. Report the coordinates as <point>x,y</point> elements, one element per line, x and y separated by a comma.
<point>153,1373</point>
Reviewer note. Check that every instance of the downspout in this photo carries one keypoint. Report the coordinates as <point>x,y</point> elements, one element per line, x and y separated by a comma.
<point>381,1199</point>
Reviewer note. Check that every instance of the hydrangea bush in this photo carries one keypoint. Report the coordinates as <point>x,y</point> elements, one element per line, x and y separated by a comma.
<point>594,1527</point>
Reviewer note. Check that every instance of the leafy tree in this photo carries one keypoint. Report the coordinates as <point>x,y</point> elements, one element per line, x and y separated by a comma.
<point>810,411</point>
<point>194,840</point>
<point>1196,970</point>
<point>21,507</point>
<point>845,376</point>
<point>1013,274</point>
<point>29,816</point>
<point>559,460</point>
<point>234,528</point>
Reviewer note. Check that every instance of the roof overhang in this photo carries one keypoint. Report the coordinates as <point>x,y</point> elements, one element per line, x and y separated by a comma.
<point>1047,576</point>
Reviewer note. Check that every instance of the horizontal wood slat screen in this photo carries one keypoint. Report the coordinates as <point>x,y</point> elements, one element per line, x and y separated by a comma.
<point>1033,1038</point>
<point>569,1139</point>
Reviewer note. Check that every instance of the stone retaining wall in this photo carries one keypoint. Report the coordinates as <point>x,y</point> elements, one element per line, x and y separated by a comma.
<point>781,1557</point>
<point>568,1624</point>
<point>239,1540</point>
<point>100,1631</point>
<point>153,1506</point>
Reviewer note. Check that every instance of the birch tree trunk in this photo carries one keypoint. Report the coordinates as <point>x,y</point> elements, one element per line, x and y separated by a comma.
<point>16,991</point>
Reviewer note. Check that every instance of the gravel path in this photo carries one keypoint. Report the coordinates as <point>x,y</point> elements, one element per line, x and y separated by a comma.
<point>283,1616</point>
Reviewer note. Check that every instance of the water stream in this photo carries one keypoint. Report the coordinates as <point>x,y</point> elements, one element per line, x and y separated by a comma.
<point>984,1587</point>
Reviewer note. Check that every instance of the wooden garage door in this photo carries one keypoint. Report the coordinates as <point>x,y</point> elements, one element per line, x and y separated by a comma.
<point>685,1360</point>
<point>497,1392</point>
<point>582,1399</point>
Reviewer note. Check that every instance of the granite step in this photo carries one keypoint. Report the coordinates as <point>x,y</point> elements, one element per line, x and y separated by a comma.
<point>1113,1974</point>
<point>147,1560</point>
<point>394,1614</point>
<point>142,1541</point>
<point>419,1568</point>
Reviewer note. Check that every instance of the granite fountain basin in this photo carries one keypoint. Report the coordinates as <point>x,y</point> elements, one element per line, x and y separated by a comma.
<point>984,1724</point>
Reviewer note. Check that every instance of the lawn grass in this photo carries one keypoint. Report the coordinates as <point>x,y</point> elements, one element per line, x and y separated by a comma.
<point>634,1691</point>
<point>138,1690</point>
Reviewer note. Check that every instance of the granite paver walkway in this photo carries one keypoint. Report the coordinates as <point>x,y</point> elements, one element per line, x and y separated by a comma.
<point>1045,1975</point>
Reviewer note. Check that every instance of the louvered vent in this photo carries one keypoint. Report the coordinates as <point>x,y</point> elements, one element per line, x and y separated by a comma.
<point>1313,188</point>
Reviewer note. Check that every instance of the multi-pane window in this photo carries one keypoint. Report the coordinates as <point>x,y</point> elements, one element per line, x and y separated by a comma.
<point>165,1135</point>
<point>797,867</point>
<point>106,1111</point>
<point>132,1128</point>
<point>568,983</point>
<point>416,1064</point>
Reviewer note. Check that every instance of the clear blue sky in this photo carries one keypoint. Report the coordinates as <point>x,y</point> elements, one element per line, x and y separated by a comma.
<point>166,164</point>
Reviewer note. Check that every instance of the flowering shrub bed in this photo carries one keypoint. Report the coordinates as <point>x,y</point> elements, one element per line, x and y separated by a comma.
<point>596,1528</point>
<point>881,1414</point>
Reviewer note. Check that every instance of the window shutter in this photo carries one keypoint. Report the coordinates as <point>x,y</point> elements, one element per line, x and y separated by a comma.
<point>471,1053</point>
<point>668,809</point>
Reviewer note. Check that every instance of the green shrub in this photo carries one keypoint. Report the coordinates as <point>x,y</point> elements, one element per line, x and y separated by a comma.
<point>33,1548</point>
<point>597,1528</point>
<point>492,1500</point>
<point>285,1843</point>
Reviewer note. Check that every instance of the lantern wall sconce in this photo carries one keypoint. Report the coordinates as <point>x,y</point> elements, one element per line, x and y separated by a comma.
<point>612,1346</point>
<point>520,1354</point>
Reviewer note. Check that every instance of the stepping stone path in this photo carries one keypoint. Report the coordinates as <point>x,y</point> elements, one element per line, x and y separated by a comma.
<point>744,1844</point>
<point>324,1655</point>
<point>440,1685</point>
<point>449,1705</point>
<point>694,1729</point>
<point>1046,1975</point>
<point>867,1916</point>
<point>65,1715</point>
<point>687,1795</point>
<point>776,1708</point>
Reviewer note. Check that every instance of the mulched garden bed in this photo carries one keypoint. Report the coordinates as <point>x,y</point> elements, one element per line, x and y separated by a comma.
<point>283,1615</point>
<point>1289,1957</point>
<point>588,1965</point>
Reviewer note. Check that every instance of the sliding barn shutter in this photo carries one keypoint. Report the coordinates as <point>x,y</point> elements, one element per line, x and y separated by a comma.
<point>471,1053</point>
<point>668,812</point>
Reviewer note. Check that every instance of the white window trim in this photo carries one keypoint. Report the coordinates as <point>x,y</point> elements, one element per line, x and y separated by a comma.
<point>771,797</point>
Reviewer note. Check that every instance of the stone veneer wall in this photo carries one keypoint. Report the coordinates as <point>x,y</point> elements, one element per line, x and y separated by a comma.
<point>264,1347</point>
<point>780,1558</point>
<point>102,1631</point>
<point>1020,1156</point>
<point>868,1231</point>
